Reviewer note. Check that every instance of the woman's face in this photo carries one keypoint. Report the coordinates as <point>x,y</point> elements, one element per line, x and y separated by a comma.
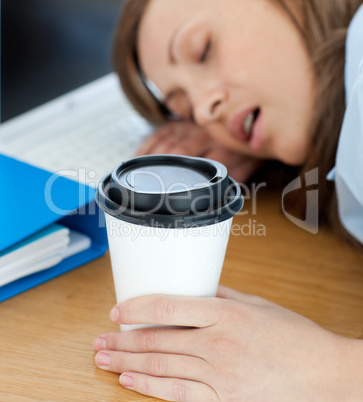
<point>238,67</point>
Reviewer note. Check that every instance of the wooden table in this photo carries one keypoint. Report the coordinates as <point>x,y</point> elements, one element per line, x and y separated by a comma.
<point>46,333</point>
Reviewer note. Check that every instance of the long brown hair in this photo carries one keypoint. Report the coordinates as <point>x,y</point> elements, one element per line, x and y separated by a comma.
<point>323,29</point>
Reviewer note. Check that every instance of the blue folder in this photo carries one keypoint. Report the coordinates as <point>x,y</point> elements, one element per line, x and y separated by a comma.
<point>31,199</point>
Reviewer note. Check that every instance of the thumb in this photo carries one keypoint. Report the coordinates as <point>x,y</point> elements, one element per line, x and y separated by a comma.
<point>231,294</point>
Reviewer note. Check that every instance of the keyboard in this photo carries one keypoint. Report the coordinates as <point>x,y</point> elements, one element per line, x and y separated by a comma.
<point>82,135</point>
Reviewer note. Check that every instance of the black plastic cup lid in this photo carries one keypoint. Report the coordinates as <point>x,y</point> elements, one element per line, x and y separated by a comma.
<point>170,191</point>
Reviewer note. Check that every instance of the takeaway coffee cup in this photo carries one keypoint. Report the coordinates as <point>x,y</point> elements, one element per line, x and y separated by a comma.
<point>168,223</point>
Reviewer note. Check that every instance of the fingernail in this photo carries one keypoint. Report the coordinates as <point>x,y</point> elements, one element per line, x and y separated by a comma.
<point>103,359</point>
<point>115,315</point>
<point>126,381</point>
<point>99,343</point>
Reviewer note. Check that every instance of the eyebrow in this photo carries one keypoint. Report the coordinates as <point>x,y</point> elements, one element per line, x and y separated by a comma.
<point>171,45</point>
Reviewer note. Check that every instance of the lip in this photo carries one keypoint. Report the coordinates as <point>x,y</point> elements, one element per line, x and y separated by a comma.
<point>236,125</point>
<point>256,140</point>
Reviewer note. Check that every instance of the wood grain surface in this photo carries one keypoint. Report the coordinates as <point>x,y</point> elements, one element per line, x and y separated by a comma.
<point>46,333</point>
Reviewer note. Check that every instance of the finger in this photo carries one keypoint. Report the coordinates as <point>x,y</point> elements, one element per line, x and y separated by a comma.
<point>155,364</point>
<point>148,146</point>
<point>231,294</point>
<point>150,143</point>
<point>224,156</point>
<point>196,143</point>
<point>147,340</point>
<point>166,144</point>
<point>240,167</point>
<point>185,139</point>
<point>243,170</point>
<point>239,174</point>
<point>169,389</point>
<point>168,310</point>
<point>235,163</point>
<point>162,140</point>
<point>176,136</point>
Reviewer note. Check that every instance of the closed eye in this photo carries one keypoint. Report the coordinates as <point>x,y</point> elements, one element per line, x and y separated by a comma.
<point>205,53</point>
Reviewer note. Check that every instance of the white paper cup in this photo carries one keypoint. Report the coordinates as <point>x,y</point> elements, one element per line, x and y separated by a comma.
<point>168,223</point>
<point>180,262</point>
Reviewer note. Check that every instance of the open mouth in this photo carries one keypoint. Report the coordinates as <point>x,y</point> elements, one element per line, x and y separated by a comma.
<point>249,122</point>
<point>244,125</point>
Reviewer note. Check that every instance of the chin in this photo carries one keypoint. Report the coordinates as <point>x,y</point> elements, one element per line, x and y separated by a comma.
<point>295,162</point>
<point>295,155</point>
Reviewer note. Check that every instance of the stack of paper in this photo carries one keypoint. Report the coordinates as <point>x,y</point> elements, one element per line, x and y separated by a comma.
<point>40,251</point>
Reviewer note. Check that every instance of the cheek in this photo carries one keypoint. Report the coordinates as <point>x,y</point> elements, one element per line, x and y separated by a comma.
<point>293,124</point>
<point>292,147</point>
<point>234,67</point>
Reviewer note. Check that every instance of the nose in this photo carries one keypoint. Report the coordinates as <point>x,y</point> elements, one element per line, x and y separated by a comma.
<point>209,106</point>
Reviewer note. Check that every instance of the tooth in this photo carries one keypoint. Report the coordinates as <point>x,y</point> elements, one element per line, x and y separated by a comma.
<point>249,123</point>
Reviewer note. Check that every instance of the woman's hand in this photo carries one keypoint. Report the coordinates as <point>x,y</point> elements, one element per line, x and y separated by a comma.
<point>236,347</point>
<point>186,138</point>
